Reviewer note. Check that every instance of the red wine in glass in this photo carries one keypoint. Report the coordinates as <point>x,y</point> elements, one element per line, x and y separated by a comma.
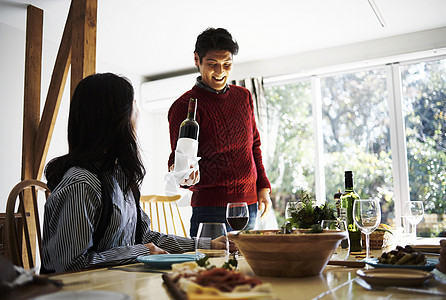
<point>237,215</point>
<point>237,223</point>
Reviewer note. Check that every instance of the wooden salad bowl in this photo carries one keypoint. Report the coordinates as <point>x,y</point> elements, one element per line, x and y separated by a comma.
<point>287,255</point>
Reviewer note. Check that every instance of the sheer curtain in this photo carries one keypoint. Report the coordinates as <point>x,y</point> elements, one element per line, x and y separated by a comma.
<point>255,86</point>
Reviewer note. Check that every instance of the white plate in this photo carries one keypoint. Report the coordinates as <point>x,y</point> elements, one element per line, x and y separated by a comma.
<point>85,295</point>
<point>394,277</point>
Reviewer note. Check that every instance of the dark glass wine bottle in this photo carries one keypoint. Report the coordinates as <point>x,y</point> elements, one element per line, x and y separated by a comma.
<point>189,128</point>
<point>347,199</point>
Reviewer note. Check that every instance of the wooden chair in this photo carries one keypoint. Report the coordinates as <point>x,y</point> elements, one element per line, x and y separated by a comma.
<point>28,234</point>
<point>18,224</point>
<point>170,212</point>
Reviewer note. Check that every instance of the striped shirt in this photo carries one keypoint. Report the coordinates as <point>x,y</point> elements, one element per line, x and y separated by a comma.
<point>72,213</point>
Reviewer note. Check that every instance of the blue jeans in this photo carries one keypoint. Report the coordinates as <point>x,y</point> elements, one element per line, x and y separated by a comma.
<point>203,214</point>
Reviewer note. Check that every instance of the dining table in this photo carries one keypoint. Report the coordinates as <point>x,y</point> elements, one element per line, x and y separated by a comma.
<point>140,281</point>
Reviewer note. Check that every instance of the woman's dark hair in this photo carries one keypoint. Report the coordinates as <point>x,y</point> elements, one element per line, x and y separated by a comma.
<point>100,133</point>
<point>215,39</point>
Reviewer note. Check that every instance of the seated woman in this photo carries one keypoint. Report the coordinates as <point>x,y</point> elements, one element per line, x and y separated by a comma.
<point>93,216</point>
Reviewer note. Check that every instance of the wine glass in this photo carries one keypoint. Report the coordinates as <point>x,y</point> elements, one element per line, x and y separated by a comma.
<point>206,233</point>
<point>367,216</point>
<point>237,215</point>
<point>414,214</point>
<point>342,251</point>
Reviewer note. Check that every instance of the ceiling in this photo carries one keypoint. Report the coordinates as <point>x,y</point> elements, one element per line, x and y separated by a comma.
<point>149,38</point>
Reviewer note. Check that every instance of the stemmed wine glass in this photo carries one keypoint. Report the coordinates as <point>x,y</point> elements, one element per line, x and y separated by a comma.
<point>342,251</point>
<point>237,215</point>
<point>206,233</point>
<point>414,214</point>
<point>367,216</point>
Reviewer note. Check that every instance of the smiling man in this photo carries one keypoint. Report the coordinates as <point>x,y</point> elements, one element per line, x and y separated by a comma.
<point>215,68</point>
<point>231,168</point>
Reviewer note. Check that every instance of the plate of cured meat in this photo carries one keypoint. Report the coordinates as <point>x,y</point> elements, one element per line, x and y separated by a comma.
<point>189,281</point>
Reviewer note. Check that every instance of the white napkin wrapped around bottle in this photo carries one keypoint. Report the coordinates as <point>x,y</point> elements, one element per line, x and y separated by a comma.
<point>186,162</point>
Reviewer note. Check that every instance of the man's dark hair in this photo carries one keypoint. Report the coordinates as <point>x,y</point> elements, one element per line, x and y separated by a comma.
<point>215,39</point>
<point>100,133</point>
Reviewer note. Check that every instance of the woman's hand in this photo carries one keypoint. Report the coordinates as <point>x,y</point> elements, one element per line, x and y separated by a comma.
<point>220,243</point>
<point>264,202</point>
<point>155,249</point>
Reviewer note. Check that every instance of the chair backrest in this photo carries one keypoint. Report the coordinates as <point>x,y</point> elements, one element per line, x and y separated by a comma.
<point>164,207</point>
<point>22,225</point>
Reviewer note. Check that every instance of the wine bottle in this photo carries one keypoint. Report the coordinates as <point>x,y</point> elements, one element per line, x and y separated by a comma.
<point>347,199</point>
<point>337,200</point>
<point>189,128</point>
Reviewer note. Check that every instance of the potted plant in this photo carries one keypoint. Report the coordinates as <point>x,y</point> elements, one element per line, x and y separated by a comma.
<point>305,215</point>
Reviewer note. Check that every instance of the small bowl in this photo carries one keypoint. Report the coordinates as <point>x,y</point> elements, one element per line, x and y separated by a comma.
<point>287,255</point>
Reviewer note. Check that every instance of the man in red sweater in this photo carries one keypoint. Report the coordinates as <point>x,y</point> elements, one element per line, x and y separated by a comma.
<point>231,168</point>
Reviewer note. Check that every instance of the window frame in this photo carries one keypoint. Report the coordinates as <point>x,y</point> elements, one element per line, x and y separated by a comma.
<point>398,145</point>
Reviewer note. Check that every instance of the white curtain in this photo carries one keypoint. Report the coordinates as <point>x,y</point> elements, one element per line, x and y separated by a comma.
<point>255,86</point>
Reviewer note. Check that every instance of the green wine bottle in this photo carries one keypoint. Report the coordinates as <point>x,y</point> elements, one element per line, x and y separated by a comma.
<point>347,199</point>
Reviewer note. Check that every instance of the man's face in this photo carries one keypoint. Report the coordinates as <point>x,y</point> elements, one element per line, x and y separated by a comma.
<point>215,68</point>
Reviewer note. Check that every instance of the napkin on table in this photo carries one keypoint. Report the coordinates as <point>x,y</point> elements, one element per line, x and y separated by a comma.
<point>17,283</point>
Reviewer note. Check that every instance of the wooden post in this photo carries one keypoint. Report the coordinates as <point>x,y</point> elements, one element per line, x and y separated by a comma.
<point>78,48</point>
<point>54,96</point>
<point>31,105</point>
<point>83,47</point>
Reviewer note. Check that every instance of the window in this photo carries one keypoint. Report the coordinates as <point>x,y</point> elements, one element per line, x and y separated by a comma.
<point>356,127</point>
<point>290,162</point>
<point>424,105</point>
<point>356,135</point>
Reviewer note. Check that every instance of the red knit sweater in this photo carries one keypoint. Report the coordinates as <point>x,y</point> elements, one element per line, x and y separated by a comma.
<point>231,168</point>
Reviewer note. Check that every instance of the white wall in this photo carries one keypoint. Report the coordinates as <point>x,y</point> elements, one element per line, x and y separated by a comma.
<point>12,64</point>
<point>153,132</point>
<point>12,55</point>
<point>153,129</point>
<point>366,53</point>
<point>157,96</point>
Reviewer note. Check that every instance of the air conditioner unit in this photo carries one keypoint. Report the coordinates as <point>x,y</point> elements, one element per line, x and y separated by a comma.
<point>158,95</point>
